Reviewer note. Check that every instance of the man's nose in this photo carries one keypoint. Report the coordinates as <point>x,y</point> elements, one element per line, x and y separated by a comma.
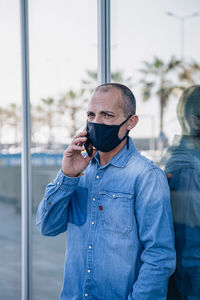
<point>97,119</point>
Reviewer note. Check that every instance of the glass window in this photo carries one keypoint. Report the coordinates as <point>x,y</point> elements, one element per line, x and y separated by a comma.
<point>145,38</point>
<point>63,67</point>
<point>10,152</point>
<point>155,46</point>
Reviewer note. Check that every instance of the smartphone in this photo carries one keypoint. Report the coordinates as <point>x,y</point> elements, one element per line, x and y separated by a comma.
<point>88,147</point>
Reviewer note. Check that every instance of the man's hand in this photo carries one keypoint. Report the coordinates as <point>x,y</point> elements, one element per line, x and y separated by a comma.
<point>73,162</point>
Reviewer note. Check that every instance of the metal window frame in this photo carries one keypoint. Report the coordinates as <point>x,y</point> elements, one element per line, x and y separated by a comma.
<point>103,18</point>
<point>103,34</point>
<point>26,201</point>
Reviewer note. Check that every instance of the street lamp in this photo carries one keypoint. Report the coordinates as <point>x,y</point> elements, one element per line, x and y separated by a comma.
<point>182,28</point>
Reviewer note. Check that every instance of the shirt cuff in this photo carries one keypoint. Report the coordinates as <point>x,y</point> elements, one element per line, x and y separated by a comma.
<point>62,179</point>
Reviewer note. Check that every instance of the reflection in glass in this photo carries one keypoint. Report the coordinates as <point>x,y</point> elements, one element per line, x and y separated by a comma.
<point>182,166</point>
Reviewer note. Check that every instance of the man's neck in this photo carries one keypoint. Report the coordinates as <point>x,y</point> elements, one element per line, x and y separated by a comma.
<point>195,140</point>
<point>105,157</point>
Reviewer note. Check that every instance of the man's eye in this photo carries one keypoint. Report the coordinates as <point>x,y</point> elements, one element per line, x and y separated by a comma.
<point>107,115</point>
<point>90,115</point>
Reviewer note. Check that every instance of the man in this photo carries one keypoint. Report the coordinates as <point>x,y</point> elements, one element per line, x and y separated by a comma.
<point>115,207</point>
<point>182,165</point>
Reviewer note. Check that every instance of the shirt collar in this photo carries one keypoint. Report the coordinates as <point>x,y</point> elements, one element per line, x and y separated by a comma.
<point>121,158</point>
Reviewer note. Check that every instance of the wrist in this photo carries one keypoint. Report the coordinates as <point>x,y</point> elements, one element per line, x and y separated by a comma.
<point>70,175</point>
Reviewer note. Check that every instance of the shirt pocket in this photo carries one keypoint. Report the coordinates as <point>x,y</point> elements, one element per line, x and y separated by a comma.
<point>115,211</point>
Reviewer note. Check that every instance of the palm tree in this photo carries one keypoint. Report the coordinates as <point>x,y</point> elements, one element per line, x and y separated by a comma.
<point>156,81</point>
<point>38,119</point>
<point>90,82</point>
<point>14,120</point>
<point>72,103</point>
<point>190,73</point>
<point>3,118</point>
<point>48,109</point>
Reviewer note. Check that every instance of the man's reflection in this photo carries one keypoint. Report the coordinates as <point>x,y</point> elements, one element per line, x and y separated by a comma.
<point>182,166</point>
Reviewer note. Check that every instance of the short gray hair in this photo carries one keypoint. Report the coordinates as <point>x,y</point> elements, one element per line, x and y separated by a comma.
<point>129,104</point>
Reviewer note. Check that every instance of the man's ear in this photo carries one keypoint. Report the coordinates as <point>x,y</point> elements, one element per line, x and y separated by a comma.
<point>132,122</point>
<point>194,122</point>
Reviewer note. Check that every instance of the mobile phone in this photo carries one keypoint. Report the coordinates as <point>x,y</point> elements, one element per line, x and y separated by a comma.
<point>88,147</point>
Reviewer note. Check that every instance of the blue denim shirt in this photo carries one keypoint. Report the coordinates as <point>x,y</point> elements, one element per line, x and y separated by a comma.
<point>182,165</point>
<point>120,240</point>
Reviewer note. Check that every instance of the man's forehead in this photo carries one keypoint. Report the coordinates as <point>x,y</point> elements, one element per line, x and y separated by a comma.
<point>109,98</point>
<point>111,90</point>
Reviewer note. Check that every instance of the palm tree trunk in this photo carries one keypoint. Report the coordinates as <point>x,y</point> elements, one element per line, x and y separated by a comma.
<point>73,127</point>
<point>49,122</point>
<point>161,115</point>
<point>162,102</point>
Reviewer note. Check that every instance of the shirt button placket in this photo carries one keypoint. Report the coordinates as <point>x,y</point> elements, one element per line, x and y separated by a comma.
<point>94,208</point>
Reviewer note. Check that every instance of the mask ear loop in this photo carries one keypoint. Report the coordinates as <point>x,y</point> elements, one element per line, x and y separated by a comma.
<point>127,143</point>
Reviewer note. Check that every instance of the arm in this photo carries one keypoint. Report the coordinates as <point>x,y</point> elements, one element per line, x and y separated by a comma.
<point>185,194</point>
<point>155,228</point>
<point>52,213</point>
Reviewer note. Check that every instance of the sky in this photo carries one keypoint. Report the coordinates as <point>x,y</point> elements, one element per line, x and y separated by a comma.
<point>63,45</point>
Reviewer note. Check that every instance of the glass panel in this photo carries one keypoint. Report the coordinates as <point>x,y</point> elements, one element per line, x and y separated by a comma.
<point>155,47</point>
<point>63,67</point>
<point>154,35</point>
<point>10,152</point>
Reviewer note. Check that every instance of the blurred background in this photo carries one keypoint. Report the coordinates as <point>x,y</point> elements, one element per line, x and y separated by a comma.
<point>154,50</point>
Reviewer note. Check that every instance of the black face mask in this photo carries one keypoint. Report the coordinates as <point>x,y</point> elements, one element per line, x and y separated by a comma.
<point>104,137</point>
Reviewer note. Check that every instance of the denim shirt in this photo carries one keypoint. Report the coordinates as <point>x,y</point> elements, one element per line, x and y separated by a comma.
<point>120,239</point>
<point>182,165</point>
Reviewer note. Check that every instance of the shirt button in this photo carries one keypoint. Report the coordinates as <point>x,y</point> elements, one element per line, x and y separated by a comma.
<point>58,182</point>
<point>114,196</point>
<point>86,295</point>
<point>90,247</point>
<point>93,199</point>
<point>97,177</point>
<point>61,175</point>
<point>92,222</point>
<point>89,270</point>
